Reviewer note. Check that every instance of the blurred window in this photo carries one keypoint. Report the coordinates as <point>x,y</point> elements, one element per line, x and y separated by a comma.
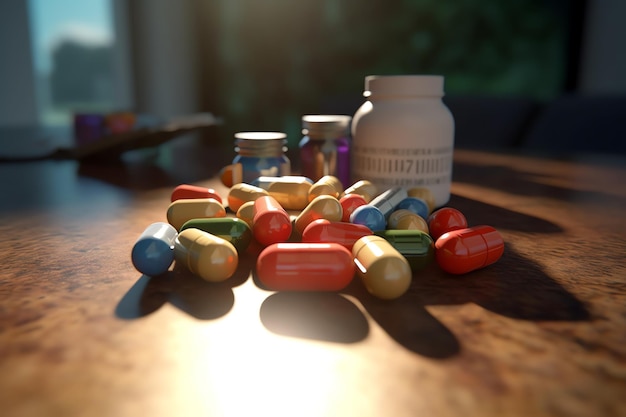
<point>74,58</point>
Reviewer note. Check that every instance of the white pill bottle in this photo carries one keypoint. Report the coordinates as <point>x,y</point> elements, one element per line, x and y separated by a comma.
<point>403,135</point>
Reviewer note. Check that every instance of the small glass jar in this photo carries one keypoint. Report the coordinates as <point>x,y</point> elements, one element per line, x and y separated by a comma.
<point>261,154</point>
<point>325,147</point>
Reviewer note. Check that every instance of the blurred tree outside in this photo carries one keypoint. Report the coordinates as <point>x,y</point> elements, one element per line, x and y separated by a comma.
<point>278,59</point>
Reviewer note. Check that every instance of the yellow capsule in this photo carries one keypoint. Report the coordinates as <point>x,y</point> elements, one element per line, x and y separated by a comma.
<point>246,212</point>
<point>406,220</point>
<point>242,193</point>
<point>384,271</point>
<point>425,194</point>
<point>208,256</point>
<point>327,185</point>
<point>291,193</point>
<point>364,188</point>
<point>180,211</point>
<point>322,207</point>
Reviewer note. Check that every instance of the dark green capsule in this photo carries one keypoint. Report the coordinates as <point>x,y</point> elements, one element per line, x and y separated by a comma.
<point>416,246</point>
<point>231,229</point>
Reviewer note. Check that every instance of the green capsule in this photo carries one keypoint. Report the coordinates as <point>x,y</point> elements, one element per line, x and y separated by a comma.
<point>415,245</point>
<point>231,229</point>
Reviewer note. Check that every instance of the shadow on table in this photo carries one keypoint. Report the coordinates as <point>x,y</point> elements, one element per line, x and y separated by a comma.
<point>501,218</point>
<point>522,183</point>
<point>191,294</point>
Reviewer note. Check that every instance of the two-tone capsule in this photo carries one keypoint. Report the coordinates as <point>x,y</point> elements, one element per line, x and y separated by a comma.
<point>181,211</point>
<point>208,256</point>
<point>233,230</point>
<point>464,250</point>
<point>153,252</point>
<point>416,246</point>
<point>305,267</point>
<point>374,215</point>
<point>384,271</point>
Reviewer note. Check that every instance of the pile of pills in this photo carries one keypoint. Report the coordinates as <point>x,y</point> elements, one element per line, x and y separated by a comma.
<point>383,238</point>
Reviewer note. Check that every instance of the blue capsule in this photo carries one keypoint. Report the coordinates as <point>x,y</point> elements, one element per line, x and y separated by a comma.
<point>153,253</point>
<point>369,216</point>
<point>415,205</point>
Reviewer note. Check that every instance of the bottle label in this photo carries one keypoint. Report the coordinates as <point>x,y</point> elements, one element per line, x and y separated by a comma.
<point>406,167</point>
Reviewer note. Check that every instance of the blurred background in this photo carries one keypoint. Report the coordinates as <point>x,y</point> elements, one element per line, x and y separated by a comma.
<point>517,73</point>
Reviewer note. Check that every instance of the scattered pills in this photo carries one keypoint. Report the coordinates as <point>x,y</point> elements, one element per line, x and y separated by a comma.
<point>153,253</point>
<point>464,250</point>
<point>184,210</point>
<point>210,257</point>
<point>305,267</point>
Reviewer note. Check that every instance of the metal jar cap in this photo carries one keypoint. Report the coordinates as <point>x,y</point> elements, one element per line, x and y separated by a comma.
<point>260,144</point>
<point>325,126</point>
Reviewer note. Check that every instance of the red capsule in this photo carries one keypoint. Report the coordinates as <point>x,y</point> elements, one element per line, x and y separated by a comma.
<point>465,250</point>
<point>445,220</point>
<point>194,191</point>
<point>305,267</point>
<point>270,222</point>
<point>349,203</point>
<point>345,234</point>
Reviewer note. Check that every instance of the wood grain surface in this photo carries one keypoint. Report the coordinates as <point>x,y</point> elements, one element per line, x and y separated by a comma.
<point>540,333</point>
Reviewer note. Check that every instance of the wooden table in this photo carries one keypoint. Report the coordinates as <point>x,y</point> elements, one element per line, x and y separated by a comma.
<point>540,333</point>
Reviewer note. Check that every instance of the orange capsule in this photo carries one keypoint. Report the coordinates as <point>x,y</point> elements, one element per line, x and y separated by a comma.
<point>322,230</point>
<point>270,222</point>
<point>465,250</point>
<point>194,191</point>
<point>305,267</point>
